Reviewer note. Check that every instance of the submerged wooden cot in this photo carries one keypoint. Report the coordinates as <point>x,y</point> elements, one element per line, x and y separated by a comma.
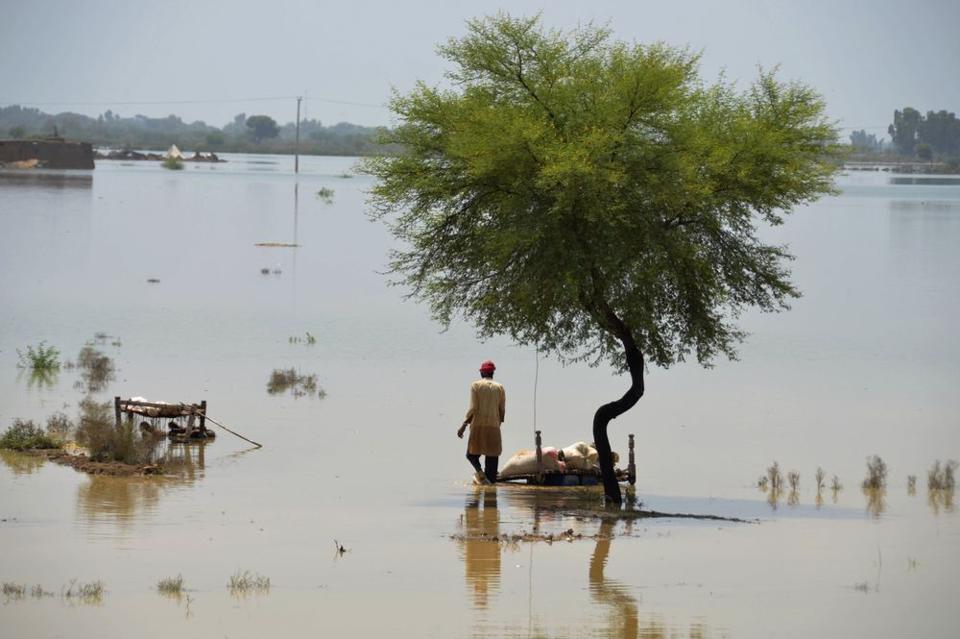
<point>195,427</point>
<point>573,477</point>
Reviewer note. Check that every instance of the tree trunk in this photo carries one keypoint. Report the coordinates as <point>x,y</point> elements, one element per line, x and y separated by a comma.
<point>612,410</point>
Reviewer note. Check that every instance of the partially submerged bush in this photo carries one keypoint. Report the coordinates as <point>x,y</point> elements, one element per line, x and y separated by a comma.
<point>941,476</point>
<point>13,590</point>
<point>172,586</point>
<point>172,163</point>
<point>325,194</point>
<point>106,440</point>
<point>59,427</point>
<point>24,435</point>
<point>41,358</point>
<point>775,477</point>
<point>289,379</point>
<point>819,477</point>
<point>794,478</point>
<point>876,478</point>
<point>86,592</point>
<point>245,581</point>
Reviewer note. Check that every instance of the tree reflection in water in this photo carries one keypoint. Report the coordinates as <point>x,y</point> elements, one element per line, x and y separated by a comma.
<point>122,501</point>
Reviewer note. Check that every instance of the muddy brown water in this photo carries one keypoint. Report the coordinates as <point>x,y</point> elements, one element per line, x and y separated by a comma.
<point>864,363</point>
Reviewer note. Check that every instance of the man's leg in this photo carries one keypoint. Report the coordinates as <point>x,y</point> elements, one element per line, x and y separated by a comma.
<point>491,464</point>
<point>475,462</point>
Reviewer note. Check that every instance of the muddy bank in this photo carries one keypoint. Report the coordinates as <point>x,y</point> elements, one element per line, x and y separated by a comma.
<point>86,465</point>
<point>52,153</point>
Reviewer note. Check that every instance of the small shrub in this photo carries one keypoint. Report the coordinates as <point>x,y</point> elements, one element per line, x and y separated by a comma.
<point>911,484</point>
<point>876,473</point>
<point>326,195</point>
<point>794,478</point>
<point>835,484</point>
<point>59,427</point>
<point>776,478</point>
<point>24,435</point>
<point>13,591</point>
<point>245,581</point>
<point>37,592</point>
<point>173,163</point>
<point>941,476</point>
<point>819,476</point>
<point>86,592</point>
<point>41,358</point>
<point>171,586</point>
<point>763,482</point>
<point>107,441</point>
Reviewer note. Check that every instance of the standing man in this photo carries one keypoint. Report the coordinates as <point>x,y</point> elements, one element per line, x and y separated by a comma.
<point>487,410</point>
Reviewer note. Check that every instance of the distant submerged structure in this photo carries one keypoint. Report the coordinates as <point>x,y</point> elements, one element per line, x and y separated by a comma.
<point>46,153</point>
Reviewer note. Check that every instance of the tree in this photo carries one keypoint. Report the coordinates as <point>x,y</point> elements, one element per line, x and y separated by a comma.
<point>904,130</point>
<point>924,151</point>
<point>596,199</point>
<point>262,127</point>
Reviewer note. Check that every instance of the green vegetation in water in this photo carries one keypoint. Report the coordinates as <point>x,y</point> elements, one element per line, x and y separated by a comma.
<point>25,435</point>
<point>876,478</point>
<point>345,176</point>
<point>326,195</point>
<point>172,163</point>
<point>171,586</point>
<point>941,476</point>
<point>775,477</point>
<point>91,592</point>
<point>244,582</point>
<point>39,358</point>
<point>299,385</point>
<point>818,477</point>
<point>107,441</point>
<point>308,339</point>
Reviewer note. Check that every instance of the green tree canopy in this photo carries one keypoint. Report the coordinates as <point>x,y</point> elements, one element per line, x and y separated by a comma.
<point>596,198</point>
<point>262,127</point>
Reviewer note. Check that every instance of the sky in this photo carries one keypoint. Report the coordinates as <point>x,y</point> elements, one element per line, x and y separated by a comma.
<point>209,59</point>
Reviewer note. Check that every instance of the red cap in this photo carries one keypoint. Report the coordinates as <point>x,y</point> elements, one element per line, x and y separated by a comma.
<point>488,367</point>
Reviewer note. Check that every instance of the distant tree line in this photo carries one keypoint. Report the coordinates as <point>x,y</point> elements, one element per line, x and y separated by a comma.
<point>935,135</point>
<point>256,133</point>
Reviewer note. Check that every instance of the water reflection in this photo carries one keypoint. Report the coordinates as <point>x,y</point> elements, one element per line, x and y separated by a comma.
<point>21,463</point>
<point>624,619</point>
<point>876,500</point>
<point>47,179</point>
<point>122,501</point>
<point>39,378</point>
<point>481,557</point>
<point>941,500</point>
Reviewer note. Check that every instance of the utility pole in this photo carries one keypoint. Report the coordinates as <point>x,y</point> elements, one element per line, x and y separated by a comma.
<point>296,151</point>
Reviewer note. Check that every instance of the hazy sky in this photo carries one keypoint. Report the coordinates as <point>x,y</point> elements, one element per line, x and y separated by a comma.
<point>867,57</point>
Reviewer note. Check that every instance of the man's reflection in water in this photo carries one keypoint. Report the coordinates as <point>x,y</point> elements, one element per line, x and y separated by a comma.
<point>481,557</point>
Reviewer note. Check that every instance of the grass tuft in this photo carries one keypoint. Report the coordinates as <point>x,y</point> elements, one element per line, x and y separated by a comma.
<point>41,358</point>
<point>91,592</point>
<point>171,586</point>
<point>876,473</point>
<point>244,582</point>
<point>941,476</point>
<point>13,590</point>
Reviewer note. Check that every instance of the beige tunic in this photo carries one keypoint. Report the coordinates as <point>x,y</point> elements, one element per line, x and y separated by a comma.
<point>487,410</point>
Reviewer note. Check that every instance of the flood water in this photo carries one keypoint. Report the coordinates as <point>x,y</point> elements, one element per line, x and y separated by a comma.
<point>865,363</point>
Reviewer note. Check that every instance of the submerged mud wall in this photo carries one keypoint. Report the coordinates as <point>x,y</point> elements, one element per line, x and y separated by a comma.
<point>50,154</point>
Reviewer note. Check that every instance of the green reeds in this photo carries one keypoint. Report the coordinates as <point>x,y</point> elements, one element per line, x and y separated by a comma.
<point>282,380</point>
<point>39,358</point>
<point>91,592</point>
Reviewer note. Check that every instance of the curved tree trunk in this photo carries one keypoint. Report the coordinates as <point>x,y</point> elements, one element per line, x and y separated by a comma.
<point>612,410</point>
